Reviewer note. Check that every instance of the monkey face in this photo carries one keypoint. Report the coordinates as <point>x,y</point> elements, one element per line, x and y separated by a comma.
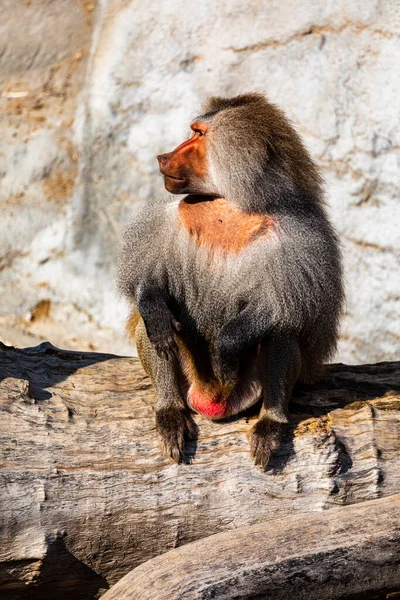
<point>185,168</point>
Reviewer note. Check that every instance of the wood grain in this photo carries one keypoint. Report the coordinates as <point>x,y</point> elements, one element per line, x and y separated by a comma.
<point>85,495</point>
<point>333,554</point>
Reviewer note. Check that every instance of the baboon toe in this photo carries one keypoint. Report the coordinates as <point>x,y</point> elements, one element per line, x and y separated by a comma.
<point>172,447</point>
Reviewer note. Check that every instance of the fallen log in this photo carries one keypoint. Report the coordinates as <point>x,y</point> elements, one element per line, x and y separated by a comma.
<point>338,553</point>
<point>85,495</point>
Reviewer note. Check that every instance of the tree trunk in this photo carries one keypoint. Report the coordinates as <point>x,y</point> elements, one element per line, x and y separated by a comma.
<point>86,496</point>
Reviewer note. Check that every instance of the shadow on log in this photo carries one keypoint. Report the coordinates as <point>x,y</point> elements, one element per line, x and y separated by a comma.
<point>87,497</point>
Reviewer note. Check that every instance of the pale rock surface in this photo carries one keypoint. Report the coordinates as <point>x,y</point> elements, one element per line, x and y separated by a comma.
<point>118,83</point>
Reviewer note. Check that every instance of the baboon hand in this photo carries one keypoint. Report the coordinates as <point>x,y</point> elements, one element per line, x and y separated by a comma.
<point>264,440</point>
<point>161,333</point>
<point>174,426</point>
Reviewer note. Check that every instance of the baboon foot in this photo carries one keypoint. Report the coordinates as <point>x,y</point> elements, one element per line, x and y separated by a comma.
<point>175,425</point>
<point>264,440</point>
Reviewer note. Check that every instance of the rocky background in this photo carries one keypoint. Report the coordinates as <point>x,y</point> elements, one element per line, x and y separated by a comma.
<point>91,92</point>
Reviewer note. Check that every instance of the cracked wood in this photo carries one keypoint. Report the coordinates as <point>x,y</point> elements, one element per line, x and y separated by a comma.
<point>86,495</point>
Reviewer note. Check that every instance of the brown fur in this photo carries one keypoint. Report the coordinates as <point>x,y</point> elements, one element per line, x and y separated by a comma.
<point>132,323</point>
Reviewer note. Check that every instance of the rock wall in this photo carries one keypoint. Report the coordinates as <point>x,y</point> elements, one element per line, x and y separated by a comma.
<point>111,86</point>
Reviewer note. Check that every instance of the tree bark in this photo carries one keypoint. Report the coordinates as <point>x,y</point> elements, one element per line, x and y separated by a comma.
<point>334,554</point>
<point>86,496</point>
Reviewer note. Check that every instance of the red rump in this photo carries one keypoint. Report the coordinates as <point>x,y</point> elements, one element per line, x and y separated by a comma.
<point>209,404</point>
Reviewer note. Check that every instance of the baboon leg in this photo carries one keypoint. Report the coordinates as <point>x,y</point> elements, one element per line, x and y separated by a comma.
<point>173,417</point>
<point>280,365</point>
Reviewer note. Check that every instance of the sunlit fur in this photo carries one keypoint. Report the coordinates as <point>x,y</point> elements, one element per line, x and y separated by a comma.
<point>292,278</point>
<point>257,158</point>
<point>257,312</point>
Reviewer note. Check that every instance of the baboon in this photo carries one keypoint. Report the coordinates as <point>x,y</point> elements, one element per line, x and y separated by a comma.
<point>237,287</point>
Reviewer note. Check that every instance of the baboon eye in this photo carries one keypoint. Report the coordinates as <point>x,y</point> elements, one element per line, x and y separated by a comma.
<point>199,128</point>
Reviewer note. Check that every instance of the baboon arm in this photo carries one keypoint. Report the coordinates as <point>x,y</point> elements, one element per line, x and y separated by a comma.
<point>160,323</point>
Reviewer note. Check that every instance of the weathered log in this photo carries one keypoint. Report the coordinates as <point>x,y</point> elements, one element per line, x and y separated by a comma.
<point>86,495</point>
<point>336,553</point>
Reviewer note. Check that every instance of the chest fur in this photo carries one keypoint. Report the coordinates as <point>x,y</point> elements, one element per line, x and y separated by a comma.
<point>219,225</point>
